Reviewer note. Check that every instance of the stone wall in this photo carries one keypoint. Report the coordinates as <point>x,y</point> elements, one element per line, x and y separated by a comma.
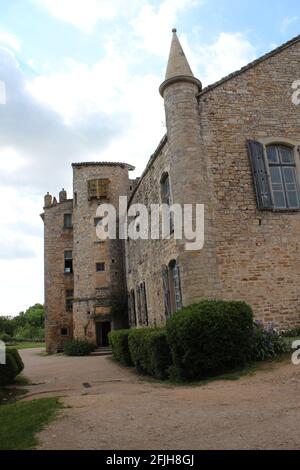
<point>257,251</point>
<point>95,291</point>
<point>57,240</point>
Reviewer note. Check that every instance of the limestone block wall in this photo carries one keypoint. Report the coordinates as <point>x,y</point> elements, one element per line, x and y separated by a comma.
<point>57,240</point>
<point>94,291</point>
<point>258,252</point>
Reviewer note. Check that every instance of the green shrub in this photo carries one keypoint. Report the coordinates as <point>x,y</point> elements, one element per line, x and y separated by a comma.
<point>5,338</point>
<point>160,358</point>
<point>10,370</point>
<point>18,359</point>
<point>290,333</point>
<point>78,347</point>
<point>266,343</point>
<point>150,352</point>
<point>209,338</point>
<point>137,348</point>
<point>118,340</point>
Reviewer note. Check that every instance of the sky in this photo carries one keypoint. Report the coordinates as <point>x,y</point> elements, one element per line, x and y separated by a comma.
<point>81,81</point>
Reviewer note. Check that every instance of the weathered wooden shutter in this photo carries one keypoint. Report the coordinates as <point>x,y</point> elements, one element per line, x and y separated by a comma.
<point>167,299</point>
<point>144,304</point>
<point>260,175</point>
<point>139,306</point>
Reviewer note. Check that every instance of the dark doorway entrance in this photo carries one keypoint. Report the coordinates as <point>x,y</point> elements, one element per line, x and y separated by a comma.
<point>102,330</point>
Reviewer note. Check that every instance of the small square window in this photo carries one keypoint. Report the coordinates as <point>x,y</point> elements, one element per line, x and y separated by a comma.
<point>100,267</point>
<point>64,331</point>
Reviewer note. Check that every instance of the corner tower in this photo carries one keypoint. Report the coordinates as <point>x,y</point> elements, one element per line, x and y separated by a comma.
<point>188,170</point>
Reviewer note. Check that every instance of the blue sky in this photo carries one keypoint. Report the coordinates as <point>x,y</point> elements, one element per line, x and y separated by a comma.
<point>82,80</point>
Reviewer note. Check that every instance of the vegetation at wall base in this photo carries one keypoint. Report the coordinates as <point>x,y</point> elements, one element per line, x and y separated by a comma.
<point>118,340</point>
<point>200,341</point>
<point>209,338</point>
<point>78,347</point>
<point>21,421</point>
<point>266,343</point>
<point>13,367</point>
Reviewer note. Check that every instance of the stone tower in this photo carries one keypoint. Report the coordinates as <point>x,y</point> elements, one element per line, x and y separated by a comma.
<point>180,90</point>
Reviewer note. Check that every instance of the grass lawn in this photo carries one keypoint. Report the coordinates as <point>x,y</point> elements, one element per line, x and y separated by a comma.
<point>26,345</point>
<point>21,421</point>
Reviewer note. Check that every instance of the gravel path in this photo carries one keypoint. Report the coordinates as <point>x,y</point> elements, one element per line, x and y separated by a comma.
<point>116,409</point>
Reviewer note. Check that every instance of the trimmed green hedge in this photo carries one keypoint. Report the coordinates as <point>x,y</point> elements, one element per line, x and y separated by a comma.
<point>13,367</point>
<point>78,347</point>
<point>209,338</point>
<point>150,352</point>
<point>118,340</point>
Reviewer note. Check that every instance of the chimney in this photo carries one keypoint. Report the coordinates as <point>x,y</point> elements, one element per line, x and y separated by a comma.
<point>48,200</point>
<point>63,195</point>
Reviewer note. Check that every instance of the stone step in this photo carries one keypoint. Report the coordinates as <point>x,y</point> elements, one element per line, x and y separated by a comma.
<point>102,352</point>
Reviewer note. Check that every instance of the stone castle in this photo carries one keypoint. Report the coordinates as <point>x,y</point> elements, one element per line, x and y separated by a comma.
<point>234,147</point>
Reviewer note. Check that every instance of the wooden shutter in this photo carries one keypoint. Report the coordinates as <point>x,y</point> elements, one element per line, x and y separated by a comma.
<point>260,175</point>
<point>139,306</point>
<point>167,300</point>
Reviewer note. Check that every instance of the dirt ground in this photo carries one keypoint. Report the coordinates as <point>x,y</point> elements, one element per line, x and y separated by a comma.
<point>109,407</point>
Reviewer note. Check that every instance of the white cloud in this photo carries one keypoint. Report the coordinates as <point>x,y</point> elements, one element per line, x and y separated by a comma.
<point>152,26</point>
<point>228,53</point>
<point>286,22</point>
<point>85,14</point>
<point>9,40</point>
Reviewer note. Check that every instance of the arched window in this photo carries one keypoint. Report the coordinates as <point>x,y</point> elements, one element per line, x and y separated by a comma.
<point>165,189</point>
<point>283,176</point>
<point>172,288</point>
<point>166,199</point>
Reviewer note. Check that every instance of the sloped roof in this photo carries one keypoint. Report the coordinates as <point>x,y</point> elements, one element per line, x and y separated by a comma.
<point>279,49</point>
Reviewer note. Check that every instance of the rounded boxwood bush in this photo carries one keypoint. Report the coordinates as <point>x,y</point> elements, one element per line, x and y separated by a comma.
<point>118,340</point>
<point>150,352</point>
<point>209,337</point>
<point>10,370</point>
<point>79,347</point>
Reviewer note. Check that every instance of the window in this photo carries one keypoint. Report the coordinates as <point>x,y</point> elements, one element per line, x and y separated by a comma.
<point>171,288</point>
<point>275,178</point>
<point>75,199</point>
<point>68,262</point>
<point>64,331</point>
<point>100,267</point>
<point>98,189</point>
<point>166,199</point>
<point>283,177</point>
<point>68,221</point>
<point>132,310</point>
<point>69,300</point>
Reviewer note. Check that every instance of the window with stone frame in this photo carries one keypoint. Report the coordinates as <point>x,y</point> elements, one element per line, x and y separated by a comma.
<point>64,331</point>
<point>165,194</point>
<point>98,188</point>
<point>275,176</point>
<point>68,255</point>
<point>100,267</point>
<point>68,222</point>
<point>171,288</point>
<point>69,300</point>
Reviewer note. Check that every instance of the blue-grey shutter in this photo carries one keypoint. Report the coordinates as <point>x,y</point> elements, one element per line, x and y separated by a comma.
<point>260,175</point>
